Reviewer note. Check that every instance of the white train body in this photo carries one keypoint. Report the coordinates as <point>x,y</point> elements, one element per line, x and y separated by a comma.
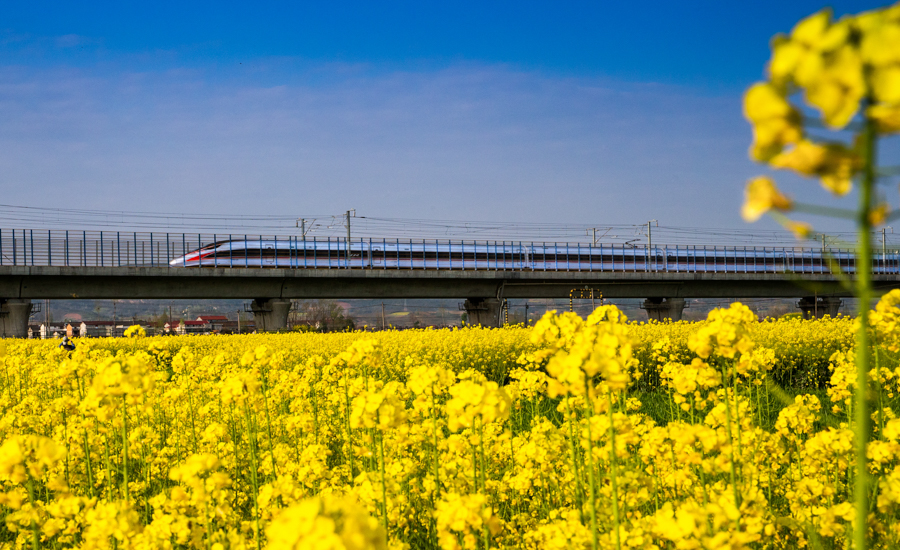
<point>396,254</point>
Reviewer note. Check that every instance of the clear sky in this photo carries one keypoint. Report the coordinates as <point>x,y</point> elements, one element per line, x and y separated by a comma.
<point>601,112</point>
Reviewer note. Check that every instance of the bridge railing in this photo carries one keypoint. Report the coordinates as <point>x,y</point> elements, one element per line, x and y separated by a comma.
<point>33,247</point>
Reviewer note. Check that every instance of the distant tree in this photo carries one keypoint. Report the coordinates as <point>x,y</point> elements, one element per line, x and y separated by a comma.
<point>779,310</point>
<point>414,320</point>
<point>326,314</point>
<point>159,321</point>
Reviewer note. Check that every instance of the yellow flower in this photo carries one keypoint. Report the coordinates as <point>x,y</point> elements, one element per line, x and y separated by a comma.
<point>726,332</point>
<point>886,117</point>
<point>327,523</point>
<point>775,122</point>
<point>486,401</point>
<point>801,230</point>
<point>879,213</point>
<point>800,56</point>
<point>833,163</point>
<point>462,515</point>
<point>886,83</point>
<point>839,88</point>
<point>28,455</point>
<point>136,331</point>
<point>377,409</point>
<point>760,196</point>
<point>880,37</point>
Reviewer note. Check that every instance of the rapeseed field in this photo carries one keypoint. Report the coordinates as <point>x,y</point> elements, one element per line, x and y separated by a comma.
<point>576,433</point>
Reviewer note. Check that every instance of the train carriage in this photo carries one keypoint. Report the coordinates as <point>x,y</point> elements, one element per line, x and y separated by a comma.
<point>336,253</point>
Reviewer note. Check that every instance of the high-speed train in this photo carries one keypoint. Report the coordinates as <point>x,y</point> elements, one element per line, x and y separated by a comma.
<point>396,254</point>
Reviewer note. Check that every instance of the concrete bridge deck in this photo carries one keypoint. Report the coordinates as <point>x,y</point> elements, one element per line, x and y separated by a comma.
<point>51,282</point>
<point>272,270</point>
<point>273,288</point>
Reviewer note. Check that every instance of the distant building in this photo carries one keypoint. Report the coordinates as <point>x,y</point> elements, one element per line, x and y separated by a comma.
<point>96,329</point>
<point>246,326</point>
<point>216,322</point>
<point>189,327</point>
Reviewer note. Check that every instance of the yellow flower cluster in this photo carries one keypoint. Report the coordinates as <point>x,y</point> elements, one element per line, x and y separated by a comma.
<point>843,68</point>
<point>587,433</point>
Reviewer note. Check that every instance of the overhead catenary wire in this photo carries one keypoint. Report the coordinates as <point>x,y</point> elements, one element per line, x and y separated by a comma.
<point>334,225</point>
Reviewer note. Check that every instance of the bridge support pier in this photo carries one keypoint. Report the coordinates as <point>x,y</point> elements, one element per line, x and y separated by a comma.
<point>270,314</point>
<point>660,309</point>
<point>483,311</point>
<point>14,314</point>
<point>813,307</point>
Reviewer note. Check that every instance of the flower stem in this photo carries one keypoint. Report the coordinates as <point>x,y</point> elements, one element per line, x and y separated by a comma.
<point>383,490</point>
<point>595,543</point>
<point>434,427</point>
<point>125,446</point>
<point>862,428</point>
<point>35,540</point>
<point>484,527</point>
<point>254,471</point>
<point>612,469</point>
<point>575,473</point>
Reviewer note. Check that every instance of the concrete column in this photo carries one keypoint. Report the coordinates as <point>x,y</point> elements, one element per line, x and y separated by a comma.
<point>660,309</point>
<point>813,307</point>
<point>483,311</point>
<point>14,314</point>
<point>270,314</point>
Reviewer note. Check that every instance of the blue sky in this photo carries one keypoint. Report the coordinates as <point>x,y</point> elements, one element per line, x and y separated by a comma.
<point>550,112</point>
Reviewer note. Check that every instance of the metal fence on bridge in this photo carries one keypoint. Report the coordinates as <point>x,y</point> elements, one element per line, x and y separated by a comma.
<point>33,247</point>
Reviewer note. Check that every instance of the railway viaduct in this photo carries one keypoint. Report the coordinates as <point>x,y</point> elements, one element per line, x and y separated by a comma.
<point>272,289</point>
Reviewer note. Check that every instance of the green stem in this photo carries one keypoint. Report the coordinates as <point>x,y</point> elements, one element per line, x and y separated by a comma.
<point>612,468</point>
<point>269,434</point>
<point>484,528</point>
<point>383,490</point>
<point>193,424</point>
<point>737,501</point>
<point>315,401</point>
<point>109,470</point>
<point>253,471</point>
<point>347,424</point>
<point>35,536</point>
<point>125,445</point>
<point>87,461</point>
<point>595,543</point>
<point>863,426</point>
<point>737,418</point>
<point>575,473</point>
<point>434,426</point>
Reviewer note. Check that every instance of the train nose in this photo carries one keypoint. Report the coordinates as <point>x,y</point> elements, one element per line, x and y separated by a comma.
<point>177,262</point>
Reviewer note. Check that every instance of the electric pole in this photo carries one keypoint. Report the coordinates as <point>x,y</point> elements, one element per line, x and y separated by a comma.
<point>301,223</point>
<point>592,233</point>
<point>382,316</point>
<point>348,234</point>
<point>239,321</point>
<point>650,238</point>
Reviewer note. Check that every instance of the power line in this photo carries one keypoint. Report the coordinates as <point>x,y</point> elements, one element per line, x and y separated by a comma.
<point>334,225</point>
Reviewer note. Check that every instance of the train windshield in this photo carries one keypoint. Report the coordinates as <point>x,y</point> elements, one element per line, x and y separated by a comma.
<point>211,246</point>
